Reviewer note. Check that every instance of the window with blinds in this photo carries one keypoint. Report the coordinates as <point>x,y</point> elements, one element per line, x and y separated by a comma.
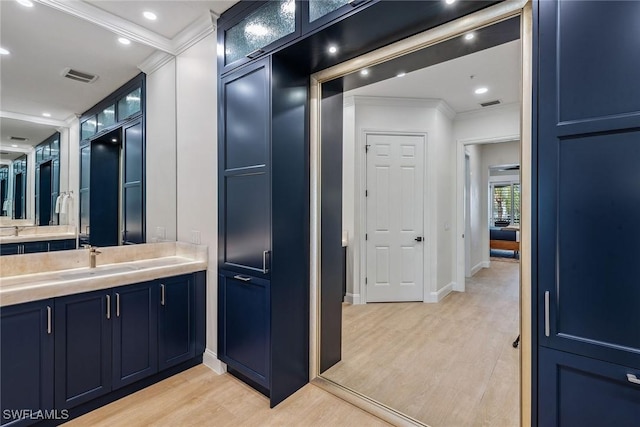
<point>505,204</point>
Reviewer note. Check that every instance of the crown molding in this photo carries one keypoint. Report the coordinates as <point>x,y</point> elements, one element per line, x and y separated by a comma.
<point>17,150</point>
<point>112,23</point>
<point>33,119</point>
<point>488,111</point>
<point>193,33</point>
<point>155,61</point>
<point>384,101</point>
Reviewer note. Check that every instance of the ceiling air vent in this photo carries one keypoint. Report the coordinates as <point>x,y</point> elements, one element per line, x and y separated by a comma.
<point>80,76</point>
<point>18,138</point>
<point>490,103</point>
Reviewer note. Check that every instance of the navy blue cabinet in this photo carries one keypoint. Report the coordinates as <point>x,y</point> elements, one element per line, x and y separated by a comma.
<point>176,321</point>
<point>26,360</point>
<point>82,347</point>
<point>61,245</point>
<point>588,204</point>
<point>579,391</point>
<point>35,247</point>
<point>10,249</point>
<point>244,325</point>
<point>135,332</point>
<point>245,190</point>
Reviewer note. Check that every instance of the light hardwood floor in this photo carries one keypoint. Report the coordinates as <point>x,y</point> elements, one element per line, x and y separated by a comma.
<point>199,397</point>
<point>445,364</point>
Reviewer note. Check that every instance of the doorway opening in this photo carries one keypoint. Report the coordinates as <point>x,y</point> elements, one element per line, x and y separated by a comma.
<point>443,264</point>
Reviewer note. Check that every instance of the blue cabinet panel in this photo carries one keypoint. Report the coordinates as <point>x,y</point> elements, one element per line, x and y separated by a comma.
<point>135,332</point>
<point>26,360</point>
<point>82,348</point>
<point>62,245</point>
<point>10,249</point>
<point>598,70</point>
<point>244,318</point>
<point>176,321</point>
<point>579,391</point>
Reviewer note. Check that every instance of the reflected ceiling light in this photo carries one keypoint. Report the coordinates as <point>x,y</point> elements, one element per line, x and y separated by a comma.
<point>333,49</point>
<point>469,36</point>
<point>14,145</point>
<point>149,15</point>
<point>481,90</point>
<point>3,51</point>
<point>124,41</point>
<point>25,3</point>
<point>364,72</point>
<point>46,114</point>
<point>450,1</point>
<point>114,140</point>
<point>401,74</point>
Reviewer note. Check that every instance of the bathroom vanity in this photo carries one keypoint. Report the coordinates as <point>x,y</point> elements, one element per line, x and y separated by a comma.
<point>27,239</point>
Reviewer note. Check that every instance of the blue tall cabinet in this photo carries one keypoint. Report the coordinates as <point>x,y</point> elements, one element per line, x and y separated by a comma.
<point>586,255</point>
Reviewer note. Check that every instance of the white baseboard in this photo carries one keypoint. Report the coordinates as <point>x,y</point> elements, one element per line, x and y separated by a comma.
<point>440,294</point>
<point>211,361</point>
<point>480,266</point>
<point>353,298</point>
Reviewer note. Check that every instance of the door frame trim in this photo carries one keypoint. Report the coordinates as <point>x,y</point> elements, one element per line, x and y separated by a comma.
<point>485,17</point>
<point>360,212</point>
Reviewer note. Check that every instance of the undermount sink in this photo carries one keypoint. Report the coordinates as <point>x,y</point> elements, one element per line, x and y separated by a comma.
<point>99,271</point>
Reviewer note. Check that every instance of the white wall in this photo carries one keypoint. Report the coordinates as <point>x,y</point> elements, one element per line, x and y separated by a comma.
<point>160,182</point>
<point>197,180</point>
<point>432,117</point>
<point>485,124</point>
<point>476,208</point>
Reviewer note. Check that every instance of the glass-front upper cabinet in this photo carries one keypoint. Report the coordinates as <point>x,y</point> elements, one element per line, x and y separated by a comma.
<point>260,28</point>
<point>319,12</point>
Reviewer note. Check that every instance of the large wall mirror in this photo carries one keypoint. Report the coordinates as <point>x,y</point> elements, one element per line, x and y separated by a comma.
<point>52,88</point>
<point>425,317</point>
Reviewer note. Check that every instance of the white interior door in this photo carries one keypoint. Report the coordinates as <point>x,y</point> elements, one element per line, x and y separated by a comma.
<point>395,217</point>
<point>467,216</point>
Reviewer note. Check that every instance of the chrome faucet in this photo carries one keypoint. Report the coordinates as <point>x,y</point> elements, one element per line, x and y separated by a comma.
<point>93,252</point>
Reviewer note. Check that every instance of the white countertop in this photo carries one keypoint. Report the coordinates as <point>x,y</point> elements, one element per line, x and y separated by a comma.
<point>22,281</point>
<point>37,233</point>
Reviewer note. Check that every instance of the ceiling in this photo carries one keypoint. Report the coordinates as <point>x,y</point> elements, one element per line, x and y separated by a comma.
<point>496,68</point>
<point>53,35</point>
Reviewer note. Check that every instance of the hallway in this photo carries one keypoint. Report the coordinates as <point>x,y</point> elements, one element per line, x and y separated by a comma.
<point>446,364</point>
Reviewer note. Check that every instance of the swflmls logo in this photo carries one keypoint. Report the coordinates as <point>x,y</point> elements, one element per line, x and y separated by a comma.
<point>40,414</point>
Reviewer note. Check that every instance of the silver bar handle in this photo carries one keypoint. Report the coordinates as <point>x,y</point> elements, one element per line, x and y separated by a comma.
<point>117,304</point>
<point>265,270</point>
<point>108,306</point>
<point>633,379</point>
<point>547,332</point>
<point>244,279</point>
<point>162,294</point>
<point>48,319</point>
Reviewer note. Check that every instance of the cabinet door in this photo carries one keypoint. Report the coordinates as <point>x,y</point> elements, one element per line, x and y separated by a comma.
<point>62,245</point>
<point>35,247</point>
<point>176,325</point>
<point>244,325</point>
<point>245,223</point>
<point>10,249</point>
<point>135,333</point>
<point>579,391</point>
<point>588,175</point>
<point>82,347</point>
<point>256,31</point>
<point>26,356</point>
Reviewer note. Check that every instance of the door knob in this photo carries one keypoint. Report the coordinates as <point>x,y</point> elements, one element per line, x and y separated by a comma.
<point>419,239</point>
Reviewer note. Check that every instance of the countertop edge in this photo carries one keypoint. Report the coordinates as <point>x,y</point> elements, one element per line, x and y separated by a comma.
<point>59,288</point>
<point>36,238</point>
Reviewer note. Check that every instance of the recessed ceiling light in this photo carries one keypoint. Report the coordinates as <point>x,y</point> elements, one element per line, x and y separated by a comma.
<point>46,114</point>
<point>401,74</point>
<point>481,90</point>
<point>124,41</point>
<point>333,49</point>
<point>3,51</point>
<point>14,145</point>
<point>25,3</point>
<point>114,140</point>
<point>364,72</point>
<point>150,15</point>
<point>469,36</point>
<point>450,1</point>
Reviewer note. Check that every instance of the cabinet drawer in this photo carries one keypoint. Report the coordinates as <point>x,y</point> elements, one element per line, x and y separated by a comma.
<point>244,318</point>
<point>579,391</point>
